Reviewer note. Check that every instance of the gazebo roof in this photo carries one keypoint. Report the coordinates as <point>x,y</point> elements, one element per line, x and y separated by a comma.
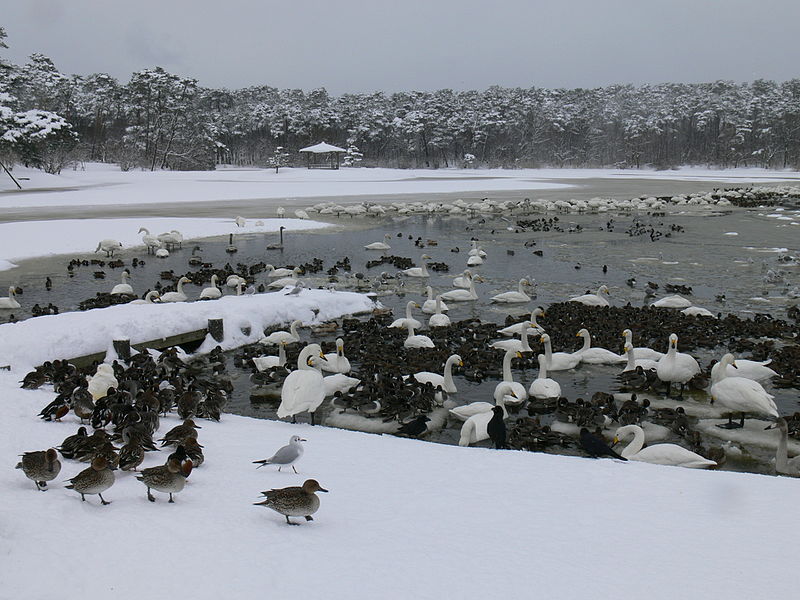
<point>322,148</point>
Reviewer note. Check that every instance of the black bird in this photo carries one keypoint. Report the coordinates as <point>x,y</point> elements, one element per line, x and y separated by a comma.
<point>596,446</point>
<point>496,428</point>
<point>415,427</point>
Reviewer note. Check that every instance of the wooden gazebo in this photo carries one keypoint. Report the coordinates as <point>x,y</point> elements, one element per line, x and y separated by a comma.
<point>322,156</point>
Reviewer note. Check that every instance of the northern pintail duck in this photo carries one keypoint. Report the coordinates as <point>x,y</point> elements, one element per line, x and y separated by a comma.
<point>178,434</point>
<point>286,455</point>
<point>40,467</point>
<point>294,501</point>
<point>94,480</point>
<point>131,456</point>
<point>169,478</point>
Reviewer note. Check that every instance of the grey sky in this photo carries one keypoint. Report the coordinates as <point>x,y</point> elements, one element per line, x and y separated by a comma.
<point>367,45</point>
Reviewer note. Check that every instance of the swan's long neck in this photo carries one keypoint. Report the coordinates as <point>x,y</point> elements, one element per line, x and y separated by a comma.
<point>526,347</point>
<point>410,327</point>
<point>213,281</point>
<point>124,277</point>
<point>636,444</point>
<point>534,316</point>
<point>424,269</point>
<point>600,291</point>
<point>629,337</point>
<point>180,286</point>
<point>448,374</point>
<point>472,293</point>
<point>507,375</point>
<point>281,354</point>
<point>520,286</point>
<point>631,359</point>
<point>293,330</point>
<point>430,293</point>
<point>144,230</point>
<point>239,289</point>
<point>548,352</point>
<point>408,310</point>
<point>438,305</point>
<point>542,367</point>
<point>782,454</point>
<point>587,342</point>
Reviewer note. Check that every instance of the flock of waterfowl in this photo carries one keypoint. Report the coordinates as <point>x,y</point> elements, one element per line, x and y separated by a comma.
<point>405,376</point>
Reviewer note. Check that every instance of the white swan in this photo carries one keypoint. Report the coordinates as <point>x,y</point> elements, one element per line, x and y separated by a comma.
<point>152,297</point>
<point>336,362</point>
<point>339,382</point>
<point>301,214</point>
<point>641,352</point>
<point>533,327</point>
<point>476,250</point>
<point>751,369</point>
<point>272,273</point>
<point>380,245</point>
<point>178,295</point>
<point>634,362</point>
<point>515,297</point>
<point>284,281</point>
<point>696,311</point>
<point>151,242</point>
<point>474,261</point>
<point>516,345</point>
<point>287,337</point>
<point>740,394</point>
<point>403,322</point>
<point>462,413</point>
<point>784,464</point>
<point>10,300</point>
<point>463,280</point>
<point>596,356</point>
<point>263,363</point>
<point>212,292</point>
<point>108,246</point>
<point>439,319</point>
<point>171,239</point>
<point>240,221</point>
<point>461,295</point>
<point>474,429</point>
<point>513,391</point>
<point>445,381</point>
<point>417,341</point>
<point>674,301</point>
<point>418,271</point>
<point>676,367</point>
<point>558,361</point>
<point>429,306</point>
<point>544,388</point>
<point>658,454</point>
<point>304,389</point>
<point>124,287</point>
<point>162,253</point>
<point>234,280</point>
<point>596,299</point>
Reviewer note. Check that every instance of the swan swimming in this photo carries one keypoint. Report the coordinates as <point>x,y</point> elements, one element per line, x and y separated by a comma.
<point>514,297</point>
<point>511,391</point>
<point>558,361</point>
<point>10,301</point>
<point>429,306</point>
<point>439,319</point>
<point>212,292</point>
<point>417,341</point>
<point>658,454</point>
<point>596,356</point>
<point>336,362</point>
<point>403,322</point>
<point>445,381</point>
<point>533,327</point>
<point>596,299</point>
<point>641,352</point>
<point>286,337</point>
<point>124,287</point>
<point>178,295</point>
<point>418,271</point>
<point>544,388</point>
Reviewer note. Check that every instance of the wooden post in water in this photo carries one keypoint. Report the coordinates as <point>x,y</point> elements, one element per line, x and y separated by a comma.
<point>123,349</point>
<point>216,329</point>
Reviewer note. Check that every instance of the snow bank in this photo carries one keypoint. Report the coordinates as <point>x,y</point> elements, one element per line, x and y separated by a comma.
<point>403,519</point>
<point>23,239</point>
<point>105,185</point>
<point>68,335</point>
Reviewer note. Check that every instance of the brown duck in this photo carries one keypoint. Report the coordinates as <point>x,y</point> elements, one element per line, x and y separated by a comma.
<point>169,478</point>
<point>40,467</point>
<point>176,435</point>
<point>94,480</point>
<point>294,501</point>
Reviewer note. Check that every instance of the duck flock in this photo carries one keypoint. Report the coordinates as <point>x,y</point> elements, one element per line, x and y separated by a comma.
<point>410,375</point>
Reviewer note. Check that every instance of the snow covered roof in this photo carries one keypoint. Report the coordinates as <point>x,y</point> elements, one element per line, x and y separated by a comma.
<point>322,147</point>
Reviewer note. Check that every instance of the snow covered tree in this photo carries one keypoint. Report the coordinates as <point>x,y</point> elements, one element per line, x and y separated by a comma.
<point>353,156</point>
<point>279,158</point>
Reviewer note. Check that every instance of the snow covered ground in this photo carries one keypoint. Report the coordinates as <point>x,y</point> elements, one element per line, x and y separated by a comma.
<point>24,239</point>
<point>99,185</point>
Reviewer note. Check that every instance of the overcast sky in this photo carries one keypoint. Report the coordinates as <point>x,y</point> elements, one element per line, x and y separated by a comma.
<point>368,45</point>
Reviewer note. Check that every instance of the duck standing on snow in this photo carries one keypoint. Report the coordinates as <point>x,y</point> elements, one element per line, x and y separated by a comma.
<point>286,456</point>
<point>40,467</point>
<point>94,480</point>
<point>294,501</point>
<point>168,479</point>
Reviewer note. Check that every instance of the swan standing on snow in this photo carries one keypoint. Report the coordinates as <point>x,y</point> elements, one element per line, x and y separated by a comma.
<point>514,297</point>
<point>658,454</point>
<point>10,300</point>
<point>149,298</point>
<point>151,242</point>
<point>558,361</point>
<point>418,271</point>
<point>212,292</point>
<point>178,295</point>
<point>515,345</point>
<point>740,394</point>
<point>513,391</point>
<point>439,319</point>
<point>380,245</point>
<point>533,327</point>
<point>403,322</point>
<point>171,239</point>
<point>596,299</point>
<point>287,337</point>
<point>445,381</point>
<point>429,306</point>
<point>641,352</point>
<point>676,367</point>
<point>461,295</point>
<point>108,246</point>
<point>336,362</point>
<point>417,341</point>
<point>124,287</point>
<point>544,388</point>
<point>263,363</point>
<point>596,356</point>
<point>634,362</point>
<point>304,389</point>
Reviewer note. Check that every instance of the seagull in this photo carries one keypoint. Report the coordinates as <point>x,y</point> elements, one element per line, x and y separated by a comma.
<point>295,291</point>
<point>286,456</point>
